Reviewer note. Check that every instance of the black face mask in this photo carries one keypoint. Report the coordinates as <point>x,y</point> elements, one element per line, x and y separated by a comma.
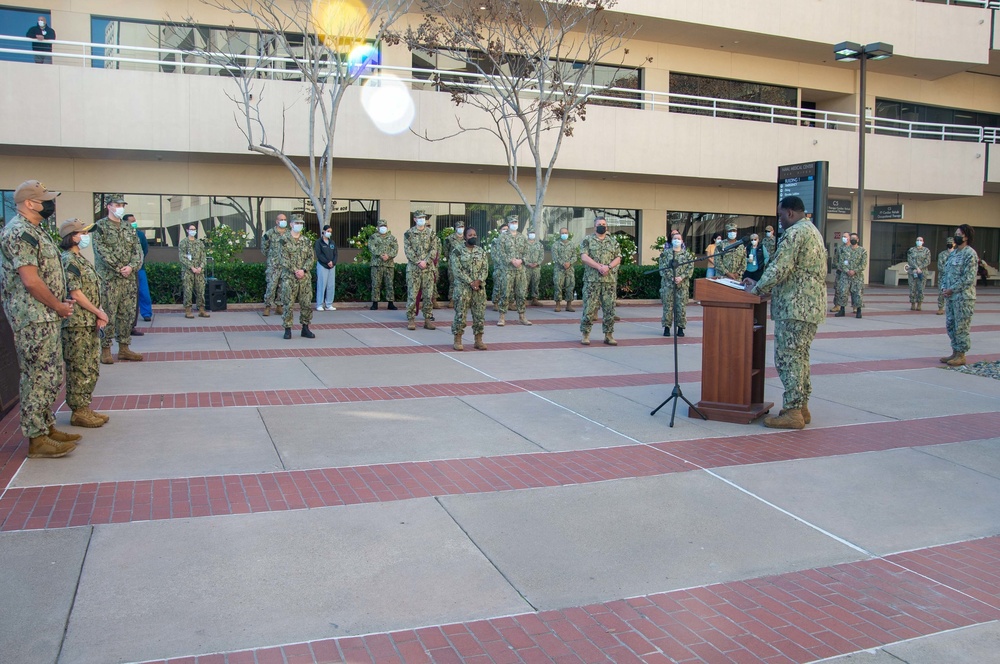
<point>48,209</point>
<point>959,239</point>
<point>853,241</point>
<point>601,230</point>
<point>950,246</point>
<point>472,241</point>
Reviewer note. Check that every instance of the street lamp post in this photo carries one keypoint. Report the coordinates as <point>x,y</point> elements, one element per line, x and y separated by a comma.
<point>849,52</point>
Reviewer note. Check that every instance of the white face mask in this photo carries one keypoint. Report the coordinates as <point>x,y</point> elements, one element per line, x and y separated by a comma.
<point>119,212</point>
<point>753,242</point>
<point>769,233</point>
<point>531,236</point>
<point>327,235</point>
<point>296,228</point>
<point>677,242</point>
<point>41,24</point>
<point>382,230</point>
<point>282,223</point>
<point>84,241</point>
<point>731,235</point>
<point>421,222</point>
<point>192,233</point>
<point>512,227</point>
<point>460,231</point>
<point>920,243</point>
<point>846,239</point>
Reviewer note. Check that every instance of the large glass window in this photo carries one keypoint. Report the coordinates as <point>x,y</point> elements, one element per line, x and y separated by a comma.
<point>919,114</point>
<point>891,240</point>
<point>700,228</point>
<point>16,23</point>
<point>736,92</point>
<point>164,217</point>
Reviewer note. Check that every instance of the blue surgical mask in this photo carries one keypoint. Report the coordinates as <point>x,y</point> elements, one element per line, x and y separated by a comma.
<point>84,241</point>
<point>677,242</point>
<point>731,235</point>
<point>564,236</point>
<point>382,230</point>
<point>282,223</point>
<point>296,228</point>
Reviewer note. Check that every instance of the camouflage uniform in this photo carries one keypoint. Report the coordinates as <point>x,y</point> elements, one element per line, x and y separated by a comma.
<point>499,273</point>
<point>734,260</point>
<point>451,243</point>
<point>469,264</point>
<point>917,258</point>
<point>36,327</point>
<point>80,339</point>
<point>115,246</point>
<point>842,285</point>
<point>668,285</point>
<point>296,254</point>
<point>857,260</point>
<point>797,276</point>
<point>191,253</point>
<point>770,244</point>
<point>420,245</point>
<point>534,254</point>
<point>599,291</point>
<point>942,262</point>
<point>512,245</point>
<point>270,246</point>
<point>383,273</point>
<point>564,279</point>
<point>960,276</point>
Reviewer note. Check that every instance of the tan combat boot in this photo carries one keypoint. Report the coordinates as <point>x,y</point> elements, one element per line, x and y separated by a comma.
<point>479,342</point>
<point>789,419</point>
<point>279,310</point>
<point>202,313</point>
<point>524,320</point>
<point>458,343</point>
<point>558,306</point>
<point>535,302</point>
<point>946,360</point>
<point>913,306</point>
<point>957,361</point>
<point>806,415</point>
<point>104,418</point>
<point>411,324</point>
<point>609,339</point>
<point>586,339</point>
<point>569,305</point>
<point>429,324</point>
<point>834,309</point>
<point>124,353</point>
<point>500,321</point>
<point>187,312</point>
<point>940,312</point>
<point>106,356</point>
<point>267,311</point>
<point>63,437</point>
<point>82,418</point>
<point>43,447</point>
<point>920,306</point>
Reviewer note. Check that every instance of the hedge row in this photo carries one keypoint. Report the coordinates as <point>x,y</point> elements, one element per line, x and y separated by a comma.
<point>245,282</point>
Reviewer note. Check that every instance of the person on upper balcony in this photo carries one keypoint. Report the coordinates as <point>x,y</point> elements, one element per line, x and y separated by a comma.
<point>41,33</point>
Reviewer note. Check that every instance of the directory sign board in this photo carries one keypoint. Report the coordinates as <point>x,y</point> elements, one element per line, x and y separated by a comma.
<point>808,181</point>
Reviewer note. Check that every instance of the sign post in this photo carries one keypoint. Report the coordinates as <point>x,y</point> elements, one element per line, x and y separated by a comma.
<point>808,181</point>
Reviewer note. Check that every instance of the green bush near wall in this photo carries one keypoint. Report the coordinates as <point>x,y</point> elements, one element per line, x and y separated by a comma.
<point>245,282</point>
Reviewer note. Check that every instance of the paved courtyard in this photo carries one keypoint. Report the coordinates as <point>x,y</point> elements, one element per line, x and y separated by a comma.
<point>374,496</point>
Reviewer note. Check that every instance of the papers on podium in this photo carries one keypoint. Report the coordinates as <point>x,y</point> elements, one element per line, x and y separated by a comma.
<point>732,283</point>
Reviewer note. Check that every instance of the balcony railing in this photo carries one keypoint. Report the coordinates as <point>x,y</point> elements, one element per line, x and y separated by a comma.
<point>982,4</point>
<point>169,60</point>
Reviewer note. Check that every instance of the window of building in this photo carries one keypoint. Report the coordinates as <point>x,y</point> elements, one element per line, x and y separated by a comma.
<point>891,240</point>
<point>919,114</point>
<point>16,23</point>
<point>165,217</point>
<point>7,207</point>
<point>464,75</point>
<point>736,92</point>
<point>700,228</point>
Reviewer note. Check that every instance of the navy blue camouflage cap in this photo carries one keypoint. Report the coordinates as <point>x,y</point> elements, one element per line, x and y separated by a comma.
<point>512,218</point>
<point>731,226</point>
<point>419,214</point>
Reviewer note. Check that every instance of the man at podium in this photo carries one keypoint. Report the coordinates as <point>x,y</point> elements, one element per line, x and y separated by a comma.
<point>797,277</point>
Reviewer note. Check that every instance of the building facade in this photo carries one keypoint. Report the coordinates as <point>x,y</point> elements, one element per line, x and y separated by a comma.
<point>733,90</point>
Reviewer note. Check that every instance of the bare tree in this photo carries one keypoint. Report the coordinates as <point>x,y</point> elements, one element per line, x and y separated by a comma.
<point>319,42</point>
<point>536,63</point>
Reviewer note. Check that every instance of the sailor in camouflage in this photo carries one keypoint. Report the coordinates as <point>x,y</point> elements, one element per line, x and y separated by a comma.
<point>601,255</point>
<point>733,263</point>
<point>117,257</point>
<point>676,269</point>
<point>297,259</point>
<point>80,332</point>
<point>842,283</point>
<point>511,251</point>
<point>564,257</point>
<point>499,268</point>
<point>420,244</point>
<point>452,242</point>
<point>942,262</point>
<point>769,241</point>
<point>958,285</point>
<point>32,286</point>
<point>857,259</point>
<point>471,267</point>
<point>270,246</point>
<point>191,253</point>
<point>918,258</point>
<point>796,279</point>
<point>533,257</point>
<point>383,248</point>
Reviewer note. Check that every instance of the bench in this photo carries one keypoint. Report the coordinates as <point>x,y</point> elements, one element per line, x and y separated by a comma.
<point>991,273</point>
<point>897,273</point>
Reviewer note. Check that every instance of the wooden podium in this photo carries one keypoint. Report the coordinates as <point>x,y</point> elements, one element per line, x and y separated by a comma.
<point>733,347</point>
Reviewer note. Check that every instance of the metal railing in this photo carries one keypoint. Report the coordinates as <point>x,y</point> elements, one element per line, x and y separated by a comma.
<point>980,4</point>
<point>168,60</point>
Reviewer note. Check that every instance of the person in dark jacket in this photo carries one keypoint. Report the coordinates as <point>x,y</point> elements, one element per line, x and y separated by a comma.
<point>326,270</point>
<point>757,258</point>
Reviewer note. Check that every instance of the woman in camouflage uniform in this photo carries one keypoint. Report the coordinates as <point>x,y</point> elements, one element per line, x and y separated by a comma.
<point>471,266</point>
<point>80,332</point>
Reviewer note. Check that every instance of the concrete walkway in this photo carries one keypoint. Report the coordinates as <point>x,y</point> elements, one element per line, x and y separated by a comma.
<point>374,496</point>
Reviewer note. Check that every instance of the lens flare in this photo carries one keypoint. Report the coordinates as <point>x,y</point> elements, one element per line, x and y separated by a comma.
<point>341,24</point>
<point>361,57</point>
<point>387,101</point>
